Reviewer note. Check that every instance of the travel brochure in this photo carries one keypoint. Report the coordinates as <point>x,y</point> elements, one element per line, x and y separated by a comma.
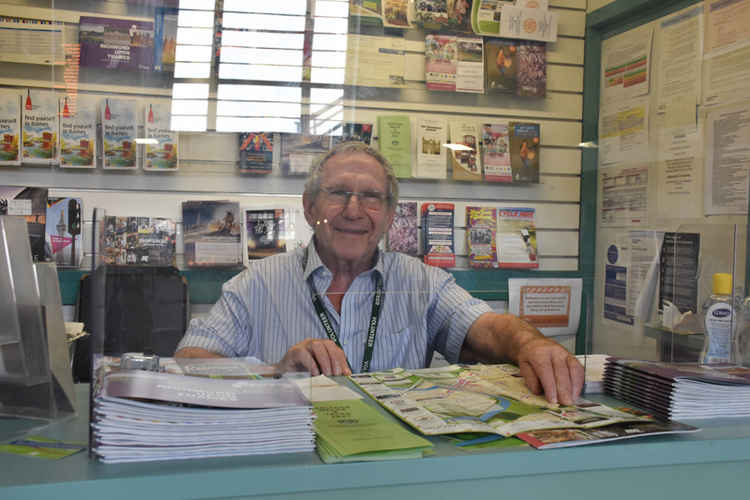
<point>454,63</point>
<point>138,240</point>
<point>63,226</point>
<point>481,231</point>
<point>516,238</point>
<point>40,127</point>
<point>119,128</point>
<point>256,152</point>
<point>78,141</point>
<point>212,233</point>
<point>494,399</point>
<point>266,232</point>
<point>403,235</point>
<point>437,234</point>
<point>116,43</point>
<point>465,160</point>
<point>163,154</point>
<point>10,128</point>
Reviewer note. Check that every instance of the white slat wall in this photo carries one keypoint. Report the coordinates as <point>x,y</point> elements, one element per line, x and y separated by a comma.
<point>208,160</point>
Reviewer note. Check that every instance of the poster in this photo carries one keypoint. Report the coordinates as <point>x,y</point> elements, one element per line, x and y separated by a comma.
<point>626,61</point>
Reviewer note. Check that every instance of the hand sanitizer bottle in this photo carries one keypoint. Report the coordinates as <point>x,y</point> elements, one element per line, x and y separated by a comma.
<point>720,321</point>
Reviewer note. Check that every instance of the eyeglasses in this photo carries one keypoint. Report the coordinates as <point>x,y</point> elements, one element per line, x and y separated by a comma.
<point>373,200</point>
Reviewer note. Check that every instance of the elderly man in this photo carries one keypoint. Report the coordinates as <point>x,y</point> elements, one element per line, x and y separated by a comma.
<point>341,304</point>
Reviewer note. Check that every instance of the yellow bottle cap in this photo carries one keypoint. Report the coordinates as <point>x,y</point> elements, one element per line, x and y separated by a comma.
<point>722,284</point>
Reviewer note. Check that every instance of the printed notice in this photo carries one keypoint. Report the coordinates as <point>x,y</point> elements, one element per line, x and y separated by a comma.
<point>552,305</point>
<point>624,195</point>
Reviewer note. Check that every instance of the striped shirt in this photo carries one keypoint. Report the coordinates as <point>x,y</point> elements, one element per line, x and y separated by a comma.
<point>267,309</point>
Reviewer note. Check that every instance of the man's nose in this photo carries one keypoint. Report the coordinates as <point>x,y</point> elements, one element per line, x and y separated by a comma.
<point>353,204</point>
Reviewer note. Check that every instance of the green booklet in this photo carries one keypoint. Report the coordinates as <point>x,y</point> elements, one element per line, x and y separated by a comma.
<point>394,142</point>
<point>352,431</point>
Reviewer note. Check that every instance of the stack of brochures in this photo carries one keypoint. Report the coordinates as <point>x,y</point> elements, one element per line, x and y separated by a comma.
<point>141,415</point>
<point>680,390</point>
<point>493,399</point>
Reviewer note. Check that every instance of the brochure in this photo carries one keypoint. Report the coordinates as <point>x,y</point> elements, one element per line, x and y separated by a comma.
<point>359,132</point>
<point>164,155</point>
<point>532,69</point>
<point>256,152</point>
<point>355,431</point>
<point>40,127</point>
<point>524,151</point>
<point>138,240</point>
<point>165,38</point>
<point>496,153</point>
<point>439,15</point>
<point>464,152</point>
<point>437,229</point>
<point>432,134</point>
<point>299,151</point>
<point>63,237</point>
<point>78,119</point>
<point>403,233</point>
<point>365,14</point>
<point>10,128</point>
<point>396,13</point>
<point>266,233</point>
<point>212,233</point>
<point>516,238</point>
<point>441,60</point>
<point>116,43</point>
<point>485,16</point>
<point>481,230</point>
<point>479,398</point>
<point>376,61</point>
<point>119,130</point>
<point>394,140</point>
<point>501,63</point>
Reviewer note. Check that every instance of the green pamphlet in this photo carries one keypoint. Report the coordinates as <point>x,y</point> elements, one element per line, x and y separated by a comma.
<point>394,141</point>
<point>40,447</point>
<point>352,431</point>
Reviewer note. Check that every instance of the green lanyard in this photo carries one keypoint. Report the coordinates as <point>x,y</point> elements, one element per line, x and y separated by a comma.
<point>372,328</point>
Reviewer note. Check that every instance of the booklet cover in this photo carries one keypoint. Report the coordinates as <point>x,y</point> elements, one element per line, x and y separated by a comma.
<point>501,63</point>
<point>138,240</point>
<point>524,151</point>
<point>516,238</point>
<point>485,16</point>
<point>300,151</point>
<point>465,161</point>
<point>164,155</point>
<point>63,231</point>
<point>496,153</point>
<point>40,127</point>
<point>10,128</point>
<point>481,230</point>
<point>678,270</point>
<point>165,38</point>
<point>352,430</point>
<point>441,60</point>
<point>442,15</point>
<point>396,14</point>
<point>119,128</point>
<point>266,234</point>
<point>78,131</point>
<point>437,229</point>
<point>256,152</point>
<point>470,66</point>
<point>403,235</point>
<point>532,69</point>
<point>432,134</point>
<point>394,141</point>
<point>359,132</point>
<point>212,233</point>
<point>116,43</point>
<point>365,14</point>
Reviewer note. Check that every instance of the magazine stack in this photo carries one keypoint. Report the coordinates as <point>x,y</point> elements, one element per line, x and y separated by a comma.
<point>178,409</point>
<point>680,390</point>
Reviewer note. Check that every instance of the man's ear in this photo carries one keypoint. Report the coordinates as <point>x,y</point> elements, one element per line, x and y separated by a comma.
<point>307,205</point>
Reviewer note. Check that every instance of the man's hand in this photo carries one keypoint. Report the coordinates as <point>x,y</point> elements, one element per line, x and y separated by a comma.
<point>545,365</point>
<point>317,356</point>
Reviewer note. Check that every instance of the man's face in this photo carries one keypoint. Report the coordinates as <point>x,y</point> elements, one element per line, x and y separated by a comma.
<point>347,233</point>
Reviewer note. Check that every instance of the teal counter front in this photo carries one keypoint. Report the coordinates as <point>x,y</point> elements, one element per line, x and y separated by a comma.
<point>713,463</point>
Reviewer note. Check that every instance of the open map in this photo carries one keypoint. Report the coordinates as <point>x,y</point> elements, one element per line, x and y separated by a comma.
<point>479,398</point>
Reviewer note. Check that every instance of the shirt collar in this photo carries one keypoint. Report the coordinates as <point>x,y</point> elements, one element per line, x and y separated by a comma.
<point>314,263</point>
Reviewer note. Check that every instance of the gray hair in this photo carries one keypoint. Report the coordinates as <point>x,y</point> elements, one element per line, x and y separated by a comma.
<point>314,179</point>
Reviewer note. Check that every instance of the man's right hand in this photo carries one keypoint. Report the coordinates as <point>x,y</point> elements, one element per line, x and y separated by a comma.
<point>316,356</point>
